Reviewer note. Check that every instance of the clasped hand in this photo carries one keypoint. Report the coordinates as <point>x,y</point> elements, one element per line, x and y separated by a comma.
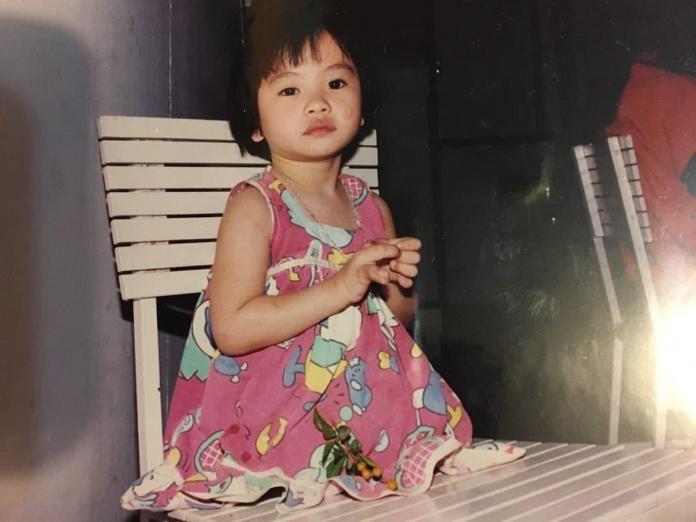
<point>380,261</point>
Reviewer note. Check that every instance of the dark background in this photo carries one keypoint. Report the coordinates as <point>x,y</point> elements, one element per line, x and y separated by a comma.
<point>484,101</point>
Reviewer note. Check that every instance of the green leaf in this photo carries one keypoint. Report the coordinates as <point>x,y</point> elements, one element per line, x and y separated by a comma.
<point>323,426</point>
<point>334,469</point>
<point>338,452</point>
<point>351,468</point>
<point>355,446</point>
<point>342,461</point>
<point>327,450</point>
<point>343,433</point>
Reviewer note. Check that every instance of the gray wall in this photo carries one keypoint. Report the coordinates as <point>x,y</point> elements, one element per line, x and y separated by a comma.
<point>67,439</point>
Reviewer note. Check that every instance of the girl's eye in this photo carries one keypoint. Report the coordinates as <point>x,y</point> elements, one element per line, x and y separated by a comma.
<point>337,84</point>
<point>289,91</point>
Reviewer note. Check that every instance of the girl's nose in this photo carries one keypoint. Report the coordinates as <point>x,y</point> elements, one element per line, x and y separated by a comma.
<point>317,105</point>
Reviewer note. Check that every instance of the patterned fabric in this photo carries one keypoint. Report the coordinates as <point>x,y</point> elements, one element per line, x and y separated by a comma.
<point>239,426</point>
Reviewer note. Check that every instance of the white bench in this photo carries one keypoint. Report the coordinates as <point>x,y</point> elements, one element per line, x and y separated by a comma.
<point>166,182</point>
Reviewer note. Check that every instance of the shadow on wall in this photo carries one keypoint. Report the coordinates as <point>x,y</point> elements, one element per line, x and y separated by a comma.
<point>17,385</point>
<point>45,314</point>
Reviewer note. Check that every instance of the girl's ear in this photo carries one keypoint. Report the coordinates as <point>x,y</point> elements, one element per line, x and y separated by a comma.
<point>362,121</point>
<point>256,136</point>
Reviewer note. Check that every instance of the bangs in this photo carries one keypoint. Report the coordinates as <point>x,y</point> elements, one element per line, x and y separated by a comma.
<point>295,53</point>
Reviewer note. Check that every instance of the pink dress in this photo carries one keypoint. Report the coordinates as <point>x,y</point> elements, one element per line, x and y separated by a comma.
<point>239,426</point>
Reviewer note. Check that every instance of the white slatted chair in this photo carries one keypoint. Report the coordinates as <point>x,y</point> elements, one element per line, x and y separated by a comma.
<point>167,183</point>
<point>617,210</point>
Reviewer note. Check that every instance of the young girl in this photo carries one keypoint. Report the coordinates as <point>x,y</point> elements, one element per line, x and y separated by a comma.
<point>312,381</point>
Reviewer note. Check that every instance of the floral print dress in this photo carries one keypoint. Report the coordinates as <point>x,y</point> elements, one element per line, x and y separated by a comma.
<point>240,426</point>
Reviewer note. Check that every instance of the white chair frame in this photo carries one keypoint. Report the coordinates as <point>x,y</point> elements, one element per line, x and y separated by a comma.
<point>617,210</point>
<point>167,181</point>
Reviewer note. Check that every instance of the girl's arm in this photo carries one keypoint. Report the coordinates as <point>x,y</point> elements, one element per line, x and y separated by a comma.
<point>401,301</point>
<point>243,318</point>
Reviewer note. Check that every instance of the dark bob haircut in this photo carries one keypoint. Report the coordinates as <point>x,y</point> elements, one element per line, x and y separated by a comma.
<point>277,32</point>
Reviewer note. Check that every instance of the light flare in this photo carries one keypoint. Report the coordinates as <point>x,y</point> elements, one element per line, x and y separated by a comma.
<point>677,352</point>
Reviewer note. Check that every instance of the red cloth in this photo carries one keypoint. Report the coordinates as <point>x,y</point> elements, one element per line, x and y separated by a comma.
<point>658,109</point>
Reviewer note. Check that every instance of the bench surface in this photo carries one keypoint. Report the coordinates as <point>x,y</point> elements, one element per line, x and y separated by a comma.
<point>570,482</point>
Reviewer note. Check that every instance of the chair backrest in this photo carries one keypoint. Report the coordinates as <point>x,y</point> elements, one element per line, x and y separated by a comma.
<point>617,209</point>
<point>167,182</point>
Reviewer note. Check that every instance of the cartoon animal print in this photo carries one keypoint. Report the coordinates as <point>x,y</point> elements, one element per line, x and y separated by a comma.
<point>242,487</point>
<point>314,251</point>
<point>359,391</point>
<point>407,475</point>
<point>326,359</point>
<point>186,424</point>
<point>271,435</point>
<point>388,361</point>
<point>208,453</point>
<point>146,488</point>
<point>199,348</point>
<point>430,397</point>
<point>382,441</point>
<point>227,365</point>
<point>271,287</point>
<point>292,368</point>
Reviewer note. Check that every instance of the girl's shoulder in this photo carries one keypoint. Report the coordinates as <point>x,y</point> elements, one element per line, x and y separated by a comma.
<point>367,204</point>
<point>261,180</point>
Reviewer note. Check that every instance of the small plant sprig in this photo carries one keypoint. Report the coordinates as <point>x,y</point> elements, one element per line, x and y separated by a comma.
<point>346,452</point>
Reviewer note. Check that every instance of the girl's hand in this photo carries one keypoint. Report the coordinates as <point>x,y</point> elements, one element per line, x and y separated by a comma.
<point>404,268</point>
<point>370,264</point>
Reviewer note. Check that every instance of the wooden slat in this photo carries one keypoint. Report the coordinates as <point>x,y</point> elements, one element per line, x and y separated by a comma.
<point>639,204</point>
<point>647,235</point>
<point>590,488</point>
<point>174,152</point>
<point>163,229</point>
<point>470,502</point>
<point>603,189</point>
<point>156,284</point>
<point>163,128</point>
<point>148,257</point>
<point>157,177</point>
<point>165,203</point>
<point>126,152</point>
<point>590,200</point>
<point>608,203</point>
<point>557,486</point>
<point>173,128</point>
<point>632,487</point>
<point>605,173</point>
<point>680,507</point>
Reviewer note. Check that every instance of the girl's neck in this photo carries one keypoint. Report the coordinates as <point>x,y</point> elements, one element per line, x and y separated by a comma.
<point>318,177</point>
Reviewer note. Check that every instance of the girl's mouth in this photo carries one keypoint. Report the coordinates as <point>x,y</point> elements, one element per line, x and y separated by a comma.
<point>321,129</point>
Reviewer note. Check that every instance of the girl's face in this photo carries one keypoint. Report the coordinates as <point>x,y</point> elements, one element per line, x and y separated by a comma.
<point>311,111</point>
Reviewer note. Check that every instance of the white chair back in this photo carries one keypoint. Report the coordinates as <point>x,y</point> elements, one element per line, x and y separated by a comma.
<point>167,182</point>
